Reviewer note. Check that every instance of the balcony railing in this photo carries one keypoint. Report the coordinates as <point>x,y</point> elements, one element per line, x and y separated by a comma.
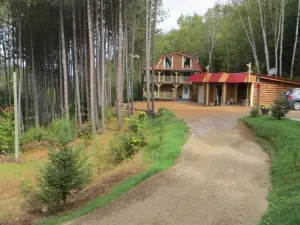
<point>171,79</point>
<point>168,95</point>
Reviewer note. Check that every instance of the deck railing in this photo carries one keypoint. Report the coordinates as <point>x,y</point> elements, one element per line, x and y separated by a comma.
<point>170,79</point>
<point>168,95</point>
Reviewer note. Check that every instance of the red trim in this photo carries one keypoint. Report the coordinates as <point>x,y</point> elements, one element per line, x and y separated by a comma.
<point>215,77</point>
<point>197,78</point>
<point>237,77</point>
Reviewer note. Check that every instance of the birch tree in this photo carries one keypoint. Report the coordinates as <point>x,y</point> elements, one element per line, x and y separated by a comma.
<point>263,28</point>
<point>296,41</point>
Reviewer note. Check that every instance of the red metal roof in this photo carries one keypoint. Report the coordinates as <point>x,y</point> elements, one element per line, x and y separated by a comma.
<point>196,78</point>
<point>237,77</point>
<point>215,77</point>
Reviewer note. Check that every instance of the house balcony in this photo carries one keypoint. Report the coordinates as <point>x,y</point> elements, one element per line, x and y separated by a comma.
<point>170,79</point>
<point>164,95</point>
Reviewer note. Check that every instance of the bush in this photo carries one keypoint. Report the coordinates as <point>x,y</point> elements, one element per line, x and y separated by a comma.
<point>61,132</point>
<point>26,187</point>
<point>280,107</point>
<point>33,135</point>
<point>110,113</point>
<point>254,112</point>
<point>86,131</point>
<point>6,130</point>
<point>124,146</point>
<point>66,171</point>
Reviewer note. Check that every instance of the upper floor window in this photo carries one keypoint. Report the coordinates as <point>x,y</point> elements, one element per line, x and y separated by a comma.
<point>168,62</point>
<point>186,62</point>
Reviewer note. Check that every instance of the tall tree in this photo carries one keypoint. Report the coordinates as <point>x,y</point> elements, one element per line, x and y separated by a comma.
<point>102,33</point>
<point>119,68</point>
<point>296,41</point>
<point>263,28</point>
<point>92,78</point>
<point>64,62</point>
<point>75,56</point>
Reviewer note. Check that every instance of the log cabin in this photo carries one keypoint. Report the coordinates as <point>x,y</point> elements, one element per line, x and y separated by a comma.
<point>238,88</point>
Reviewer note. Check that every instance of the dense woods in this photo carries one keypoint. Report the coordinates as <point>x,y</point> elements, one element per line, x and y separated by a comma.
<point>73,58</point>
<point>236,32</point>
<point>76,59</point>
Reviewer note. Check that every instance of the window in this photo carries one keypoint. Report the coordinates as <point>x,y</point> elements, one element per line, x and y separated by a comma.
<point>186,62</point>
<point>168,62</point>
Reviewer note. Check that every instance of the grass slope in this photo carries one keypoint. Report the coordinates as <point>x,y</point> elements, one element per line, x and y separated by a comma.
<point>162,156</point>
<point>281,139</point>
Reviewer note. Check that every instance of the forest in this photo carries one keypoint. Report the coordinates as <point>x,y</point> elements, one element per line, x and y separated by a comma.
<point>236,32</point>
<point>73,59</point>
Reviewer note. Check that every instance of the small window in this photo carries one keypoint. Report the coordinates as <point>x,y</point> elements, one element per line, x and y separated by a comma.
<point>168,62</point>
<point>287,93</point>
<point>186,62</point>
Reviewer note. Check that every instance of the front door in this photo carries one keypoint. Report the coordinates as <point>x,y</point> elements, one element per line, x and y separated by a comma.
<point>186,92</point>
<point>201,94</point>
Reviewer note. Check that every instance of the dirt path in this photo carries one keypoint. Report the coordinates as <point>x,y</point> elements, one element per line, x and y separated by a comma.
<point>221,178</point>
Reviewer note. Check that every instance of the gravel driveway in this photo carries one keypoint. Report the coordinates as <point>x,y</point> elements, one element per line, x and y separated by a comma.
<point>221,177</point>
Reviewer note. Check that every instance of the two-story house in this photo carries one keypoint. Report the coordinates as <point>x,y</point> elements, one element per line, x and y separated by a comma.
<point>171,76</point>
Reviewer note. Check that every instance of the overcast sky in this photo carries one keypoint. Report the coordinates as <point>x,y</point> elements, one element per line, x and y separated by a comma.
<point>178,7</point>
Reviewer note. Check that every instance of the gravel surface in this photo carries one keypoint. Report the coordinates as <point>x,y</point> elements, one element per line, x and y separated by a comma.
<point>221,177</point>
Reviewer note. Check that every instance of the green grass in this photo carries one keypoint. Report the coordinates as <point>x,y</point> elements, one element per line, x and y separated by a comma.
<point>162,156</point>
<point>281,139</point>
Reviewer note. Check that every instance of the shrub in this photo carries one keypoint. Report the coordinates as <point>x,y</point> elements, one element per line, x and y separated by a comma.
<point>124,146</point>
<point>26,187</point>
<point>280,108</point>
<point>254,112</point>
<point>61,132</point>
<point>110,113</point>
<point>66,171</point>
<point>33,135</point>
<point>6,130</point>
<point>86,131</point>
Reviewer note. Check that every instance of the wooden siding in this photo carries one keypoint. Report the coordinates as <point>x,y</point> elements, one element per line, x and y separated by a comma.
<point>270,91</point>
<point>230,92</point>
<point>177,62</point>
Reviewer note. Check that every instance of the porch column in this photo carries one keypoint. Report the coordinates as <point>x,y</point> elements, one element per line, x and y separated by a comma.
<point>175,89</point>
<point>207,94</point>
<point>214,93</point>
<point>224,92</point>
<point>252,94</point>
<point>236,94</point>
<point>158,89</point>
<point>159,72</point>
<point>176,74</point>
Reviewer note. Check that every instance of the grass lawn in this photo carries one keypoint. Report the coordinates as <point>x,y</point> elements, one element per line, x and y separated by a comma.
<point>164,146</point>
<point>281,139</point>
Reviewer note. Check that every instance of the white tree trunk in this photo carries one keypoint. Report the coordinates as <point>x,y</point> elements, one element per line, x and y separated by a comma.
<point>282,36</point>
<point>296,41</point>
<point>250,35</point>
<point>263,27</point>
<point>148,47</point>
